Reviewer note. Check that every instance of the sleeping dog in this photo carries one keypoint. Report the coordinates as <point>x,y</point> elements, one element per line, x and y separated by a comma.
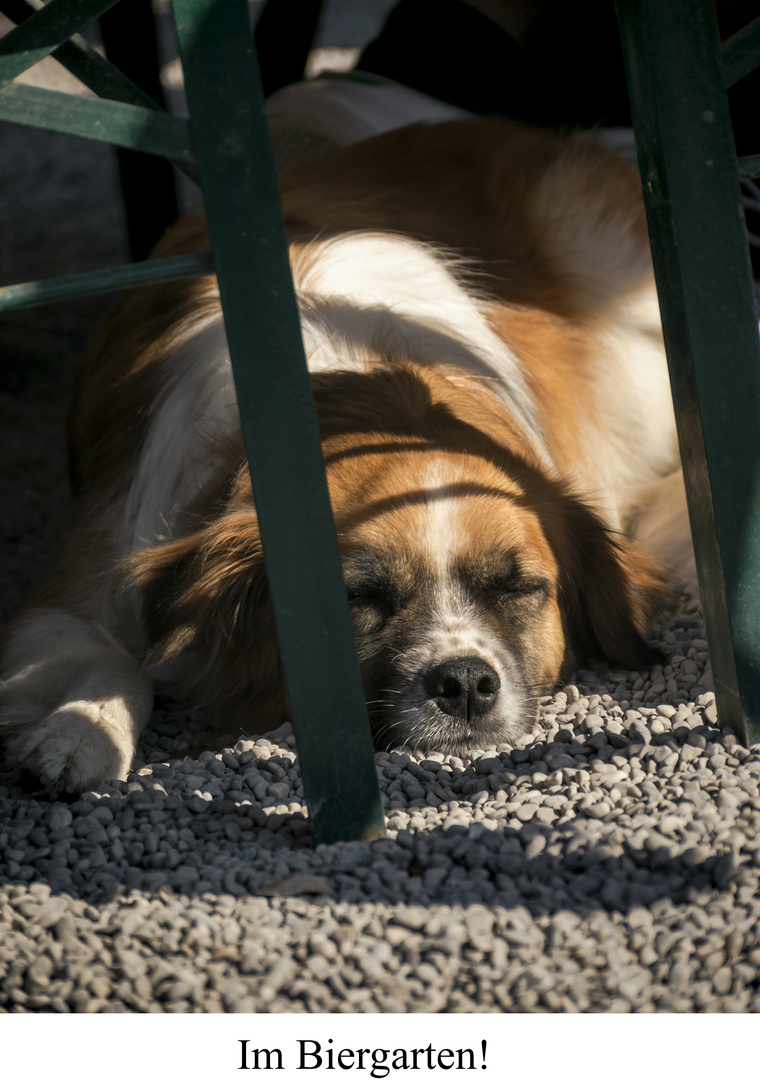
<point>481,325</point>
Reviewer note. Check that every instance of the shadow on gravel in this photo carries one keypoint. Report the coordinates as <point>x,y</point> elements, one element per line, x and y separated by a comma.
<point>164,843</point>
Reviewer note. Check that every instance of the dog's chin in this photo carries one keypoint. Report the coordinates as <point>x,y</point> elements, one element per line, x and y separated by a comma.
<point>428,729</point>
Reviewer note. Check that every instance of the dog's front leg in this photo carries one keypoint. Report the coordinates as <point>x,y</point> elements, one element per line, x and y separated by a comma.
<point>72,701</point>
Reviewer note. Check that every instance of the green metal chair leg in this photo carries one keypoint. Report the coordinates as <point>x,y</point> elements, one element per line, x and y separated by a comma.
<point>231,142</point>
<point>688,167</point>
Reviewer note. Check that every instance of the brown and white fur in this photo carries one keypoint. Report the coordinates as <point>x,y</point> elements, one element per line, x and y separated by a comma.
<point>480,319</point>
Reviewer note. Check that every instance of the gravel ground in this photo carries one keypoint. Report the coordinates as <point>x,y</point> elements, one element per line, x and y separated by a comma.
<point>608,863</point>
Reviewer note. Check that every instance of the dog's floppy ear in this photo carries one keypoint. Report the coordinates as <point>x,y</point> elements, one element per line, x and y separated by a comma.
<point>610,592</point>
<point>205,604</point>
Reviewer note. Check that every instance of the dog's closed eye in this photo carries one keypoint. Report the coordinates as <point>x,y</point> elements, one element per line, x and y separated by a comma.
<point>511,591</point>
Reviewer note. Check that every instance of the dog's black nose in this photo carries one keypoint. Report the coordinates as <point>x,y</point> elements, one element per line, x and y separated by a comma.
<point>463,686</point>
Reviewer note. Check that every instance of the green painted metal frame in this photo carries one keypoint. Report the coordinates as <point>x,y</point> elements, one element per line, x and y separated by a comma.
<point>279,421</point>
<point>231,142</point>
<point>83,61</point>
<point>115,122</point>
<point>112,279</point>
<point>690,177</point>
<point>44,32</point>
<point>132,120</point>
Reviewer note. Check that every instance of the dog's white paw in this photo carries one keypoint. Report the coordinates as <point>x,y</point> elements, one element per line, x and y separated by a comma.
<point>71,751</point>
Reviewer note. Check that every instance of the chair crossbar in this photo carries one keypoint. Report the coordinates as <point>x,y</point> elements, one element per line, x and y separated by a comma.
<point>85,62</point>
<point>741,53</point>
<point>111,279</point>
<point>134,127</point>
<point>45,31</point>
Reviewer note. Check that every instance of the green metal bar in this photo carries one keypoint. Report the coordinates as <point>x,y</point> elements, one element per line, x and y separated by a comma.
<point>278,418</point>
<point>749,166</point>
<point>741,53</point>
<point>40,35</point>
<point>94,71</point>
<point>688,167</point>
<point>149,130</point>
<point>112,279</point>
<point>84,62</point>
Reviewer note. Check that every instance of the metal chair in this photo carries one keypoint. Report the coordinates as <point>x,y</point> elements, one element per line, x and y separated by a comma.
<point>225,146</point>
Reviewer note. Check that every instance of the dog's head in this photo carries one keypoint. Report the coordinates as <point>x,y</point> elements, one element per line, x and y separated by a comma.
<point>475,579</point>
